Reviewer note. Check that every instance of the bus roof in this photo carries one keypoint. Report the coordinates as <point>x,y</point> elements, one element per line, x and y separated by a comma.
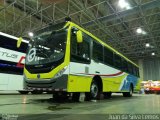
<point>103,43</point>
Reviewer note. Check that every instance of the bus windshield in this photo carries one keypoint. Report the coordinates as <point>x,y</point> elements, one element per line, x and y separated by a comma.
<point>47,47</point>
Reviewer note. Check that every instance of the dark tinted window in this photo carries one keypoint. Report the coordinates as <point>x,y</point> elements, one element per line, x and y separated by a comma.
<point>108,56</point>
<point>134,70</point>
<point>9,66</point>
<point>117,61</point>
<point>97,52</point>
<point>137,71</point>
<point>11,44</point>
<point>130,68</point>
<point>80,52</point>
<point>124,65</point>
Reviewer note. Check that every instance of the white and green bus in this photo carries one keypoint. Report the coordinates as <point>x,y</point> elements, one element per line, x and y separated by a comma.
<point>65,58</point>
<point>11,63</point>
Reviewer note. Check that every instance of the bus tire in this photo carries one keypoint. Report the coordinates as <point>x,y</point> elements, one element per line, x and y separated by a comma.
<point>94,91</point>
<point>56,96</point>
<point>107,95</point>
<point>23,92</point>
<point>75,96</point>
<point>130,93</point>
<point>59,96</point>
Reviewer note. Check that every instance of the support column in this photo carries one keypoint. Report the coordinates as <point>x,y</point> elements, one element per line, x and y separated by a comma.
<point>141,72</point>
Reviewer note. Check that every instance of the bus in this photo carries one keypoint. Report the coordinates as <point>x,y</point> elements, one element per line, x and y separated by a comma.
<point>65,58</point>
<point>11,63</point>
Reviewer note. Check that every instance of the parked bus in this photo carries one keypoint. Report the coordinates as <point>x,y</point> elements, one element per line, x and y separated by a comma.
<point>12,63</point>
<point>65,58</point>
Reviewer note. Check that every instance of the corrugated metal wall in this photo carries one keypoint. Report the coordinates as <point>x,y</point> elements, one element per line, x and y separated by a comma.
<point>151,69</point>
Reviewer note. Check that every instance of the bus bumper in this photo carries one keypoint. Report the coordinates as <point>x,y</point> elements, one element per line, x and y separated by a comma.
<point>55,84</point>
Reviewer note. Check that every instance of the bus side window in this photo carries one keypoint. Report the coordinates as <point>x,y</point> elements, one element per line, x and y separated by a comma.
<point>97,53</point>
<point>74,45</point>
<point>80,52</point>
<point>117,61</point>
<point>130,68</point>
<point>10,44</point>
<point>108,56</point>
<point>125,66</point>
<point>137,72</point>
<point>84,47</point>
<point>134,71</point>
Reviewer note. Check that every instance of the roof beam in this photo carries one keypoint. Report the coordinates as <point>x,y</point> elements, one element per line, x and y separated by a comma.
<point>144,7</point>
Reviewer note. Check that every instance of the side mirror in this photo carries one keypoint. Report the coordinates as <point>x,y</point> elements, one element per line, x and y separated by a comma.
<point>19,41</point>
<point>79,36</point>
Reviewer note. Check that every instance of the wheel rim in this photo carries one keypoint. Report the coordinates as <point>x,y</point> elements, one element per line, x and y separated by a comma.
<point>94,90</point>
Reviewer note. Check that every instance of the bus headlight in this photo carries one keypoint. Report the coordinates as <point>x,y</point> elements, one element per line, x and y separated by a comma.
<point>60,73</point>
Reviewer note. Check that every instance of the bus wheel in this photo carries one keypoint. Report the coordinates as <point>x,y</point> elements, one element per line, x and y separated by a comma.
<point>23,92</point>
<point>59,96</point>
<point>75,96</point>
<point>94,91</point>
<point>128,94</point>
<point>107,95</point>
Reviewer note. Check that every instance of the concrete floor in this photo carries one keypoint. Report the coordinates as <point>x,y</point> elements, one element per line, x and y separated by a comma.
<point>31,107</point>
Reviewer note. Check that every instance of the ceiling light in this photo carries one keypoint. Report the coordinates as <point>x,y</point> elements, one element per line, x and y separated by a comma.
<point>123,4</point>
<point>153,54</point>
<point>30,34</point>
<point>139,30</point>
<point>147,44</point>
<point>144,33</point>
<point>128,7</point>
